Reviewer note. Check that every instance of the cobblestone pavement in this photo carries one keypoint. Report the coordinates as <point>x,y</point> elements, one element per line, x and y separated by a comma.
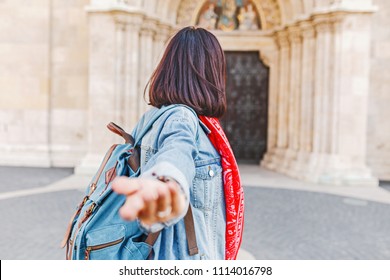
<point>279,223</point>
<point>286,224</point>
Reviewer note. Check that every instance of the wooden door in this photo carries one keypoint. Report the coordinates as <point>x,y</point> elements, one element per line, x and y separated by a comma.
<point>245,122</point>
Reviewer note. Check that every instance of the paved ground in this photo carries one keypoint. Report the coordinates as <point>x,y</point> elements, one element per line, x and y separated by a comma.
<point>285,219</point>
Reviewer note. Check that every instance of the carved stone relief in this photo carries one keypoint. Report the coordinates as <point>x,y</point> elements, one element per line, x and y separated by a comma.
<point>190,11</point>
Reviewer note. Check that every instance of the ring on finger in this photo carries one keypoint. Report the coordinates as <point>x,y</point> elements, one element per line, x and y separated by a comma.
<point>165,213</point>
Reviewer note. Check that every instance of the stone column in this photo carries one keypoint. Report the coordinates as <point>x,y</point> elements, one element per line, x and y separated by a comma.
<point>305,130</point>
<point>294,99</point>
<point>148,30</point>
<point>120,74</point>
<point>284,86</point>
<point>308,66</point>
<point>159,40</point>
<point>271,59</point>
<point>334,113</point>
<point>132,72</point>
<point>321,80</point>
<point>274,160</point>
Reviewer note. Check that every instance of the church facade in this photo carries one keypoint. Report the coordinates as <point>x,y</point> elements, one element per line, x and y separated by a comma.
<point>308,81</point>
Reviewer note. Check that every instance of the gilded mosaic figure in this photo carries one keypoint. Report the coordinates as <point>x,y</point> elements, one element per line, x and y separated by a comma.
<point>247,18</point>
<point>209,18</point>
<point>228,20</point>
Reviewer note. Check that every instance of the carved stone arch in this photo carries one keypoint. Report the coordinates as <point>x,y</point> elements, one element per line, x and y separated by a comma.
<point>185,13</point>
<point>269,11</point>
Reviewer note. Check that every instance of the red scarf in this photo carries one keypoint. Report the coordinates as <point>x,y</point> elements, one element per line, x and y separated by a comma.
<point>234,194</point>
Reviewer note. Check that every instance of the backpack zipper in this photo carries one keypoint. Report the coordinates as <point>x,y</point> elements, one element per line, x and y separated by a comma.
<point>101,246</point>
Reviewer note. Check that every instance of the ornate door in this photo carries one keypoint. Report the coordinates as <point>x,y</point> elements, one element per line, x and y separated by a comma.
<point>245,122</point>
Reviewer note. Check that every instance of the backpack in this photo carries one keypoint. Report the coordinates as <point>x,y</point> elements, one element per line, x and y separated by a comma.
<point>96,231</point>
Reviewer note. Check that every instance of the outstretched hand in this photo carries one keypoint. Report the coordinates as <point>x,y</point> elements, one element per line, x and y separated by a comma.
<point>149,200</point>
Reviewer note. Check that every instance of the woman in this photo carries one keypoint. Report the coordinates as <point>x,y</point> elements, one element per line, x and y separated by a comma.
<point>186,162</point>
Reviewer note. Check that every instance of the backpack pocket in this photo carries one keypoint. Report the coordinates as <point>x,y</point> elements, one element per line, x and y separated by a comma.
<point>105,243</point>
<point>109,243</point>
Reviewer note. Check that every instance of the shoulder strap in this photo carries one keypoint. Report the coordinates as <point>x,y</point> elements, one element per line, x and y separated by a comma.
<point>190,234</point>
<point>118,130</point>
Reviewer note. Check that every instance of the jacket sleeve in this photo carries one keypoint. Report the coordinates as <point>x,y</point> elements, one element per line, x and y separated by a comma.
<point>175,156</point>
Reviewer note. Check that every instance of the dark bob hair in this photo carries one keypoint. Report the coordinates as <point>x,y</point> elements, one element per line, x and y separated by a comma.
<point>192,71</point>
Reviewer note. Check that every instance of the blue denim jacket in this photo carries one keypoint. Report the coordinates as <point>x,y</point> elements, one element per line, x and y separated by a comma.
<point>177,146</point>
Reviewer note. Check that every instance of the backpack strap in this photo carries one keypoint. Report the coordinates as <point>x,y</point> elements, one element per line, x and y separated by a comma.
<point>118,130</point>
<point>190,234</point>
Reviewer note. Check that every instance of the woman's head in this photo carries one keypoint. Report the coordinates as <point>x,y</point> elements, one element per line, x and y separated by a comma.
<point>191,72</point>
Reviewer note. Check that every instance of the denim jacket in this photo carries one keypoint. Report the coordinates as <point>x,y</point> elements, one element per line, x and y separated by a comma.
<point>177,146</point>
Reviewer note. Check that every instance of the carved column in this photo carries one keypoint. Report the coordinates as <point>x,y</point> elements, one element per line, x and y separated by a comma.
<point>307,78</point>
<point>294,99</point>
<point>160,39</point>
<point>283,89</point>
<point>278,103</point>
<point>319,158</point>
<point>321,79</point>
<point>148,30</point>
<point>271,59</point>
<point>305,130</point>
<point>119,107</point>
<point>295,92</point>
<point>334,110</point>
<point>132,71</point>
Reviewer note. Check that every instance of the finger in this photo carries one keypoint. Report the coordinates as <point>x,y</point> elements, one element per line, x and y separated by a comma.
<point>164,207</point>
<point>177,199</point>
<point>125,185</point>
<point>148,214</point>
<point>133,205</point>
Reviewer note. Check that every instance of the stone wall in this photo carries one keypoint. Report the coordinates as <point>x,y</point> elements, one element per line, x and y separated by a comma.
<point>69,86</point>
<point>378,132</point>
<point>43,81</point>
<point>24,80</point>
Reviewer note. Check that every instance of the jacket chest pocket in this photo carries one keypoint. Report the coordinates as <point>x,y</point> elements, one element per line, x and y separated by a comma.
<point>206,191</point>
